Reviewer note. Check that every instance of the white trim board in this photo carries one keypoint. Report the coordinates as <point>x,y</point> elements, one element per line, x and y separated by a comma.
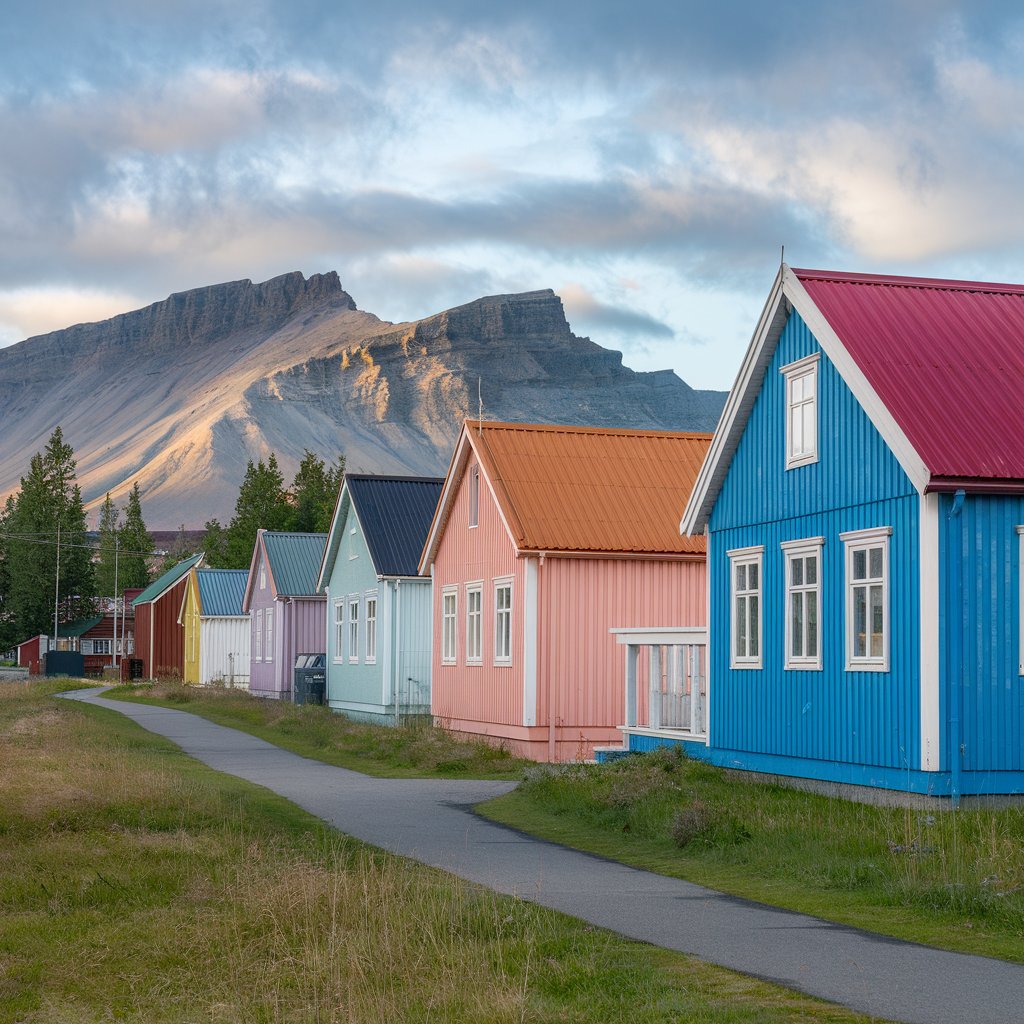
<point>928,533</point>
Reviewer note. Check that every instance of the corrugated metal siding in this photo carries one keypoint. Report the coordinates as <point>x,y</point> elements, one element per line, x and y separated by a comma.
<point>991,688</point>
<point>829,715</point>
<point>931,346</point>
<point>578,488</point>
<point>854,463</point>
<point>480,693</point>
<point>193,634</point>
<point>224,650</point>
<point>264,677</point>
<point>304,632</point>
<point>580,601</point>
<point>396,513</point>
<point>415,644</point>
<point>168,654</point>
<point>294,560</point>
<point>833,715</point>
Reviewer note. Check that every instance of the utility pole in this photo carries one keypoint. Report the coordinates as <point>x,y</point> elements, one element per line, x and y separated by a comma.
<point>113,642</point>
<point>56,587</point>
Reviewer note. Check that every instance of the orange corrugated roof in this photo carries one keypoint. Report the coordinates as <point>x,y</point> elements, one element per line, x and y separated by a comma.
<point>592,489</point>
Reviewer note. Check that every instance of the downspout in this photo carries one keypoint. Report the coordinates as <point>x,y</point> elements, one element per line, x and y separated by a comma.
<point>398,649</point>
<point>549,688</point>
<point>955,626</point>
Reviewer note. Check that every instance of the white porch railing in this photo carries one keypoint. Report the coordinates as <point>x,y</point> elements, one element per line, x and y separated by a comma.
<point>674,663</point>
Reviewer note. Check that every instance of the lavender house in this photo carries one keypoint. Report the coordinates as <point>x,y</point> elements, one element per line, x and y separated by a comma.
<point>286,614</point>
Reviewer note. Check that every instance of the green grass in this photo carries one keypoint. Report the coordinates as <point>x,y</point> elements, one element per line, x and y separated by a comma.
<point>945,878</point>
<point>138,885</point>
<point>410,751</point>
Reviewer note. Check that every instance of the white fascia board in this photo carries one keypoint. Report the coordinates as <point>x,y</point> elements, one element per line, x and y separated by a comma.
<point>451,486</point>
<point>737,408</point>
<point>326,569</point>
<point>877,411</point>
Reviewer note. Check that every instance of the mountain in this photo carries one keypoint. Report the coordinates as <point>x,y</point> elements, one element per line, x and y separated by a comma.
<point>181,394</point>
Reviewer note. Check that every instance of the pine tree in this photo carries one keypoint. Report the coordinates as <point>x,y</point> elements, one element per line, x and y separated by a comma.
<point>215,544</point>
<point>314,492</point>
<point>108,574</point>
<point>133,566</point>
<point>262,504</point>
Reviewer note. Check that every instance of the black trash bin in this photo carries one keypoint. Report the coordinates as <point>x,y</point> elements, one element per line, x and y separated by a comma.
<point>309,685</point>
<point>134,668</point>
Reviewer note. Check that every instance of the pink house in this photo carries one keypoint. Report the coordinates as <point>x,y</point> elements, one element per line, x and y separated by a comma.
<point>546,538</point>
<point>287,616</point>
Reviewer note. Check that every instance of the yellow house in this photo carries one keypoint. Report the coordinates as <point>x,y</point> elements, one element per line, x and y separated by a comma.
<point>216,630</point>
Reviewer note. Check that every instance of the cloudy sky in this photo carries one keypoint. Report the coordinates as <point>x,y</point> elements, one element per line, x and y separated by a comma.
<point>646,160</point>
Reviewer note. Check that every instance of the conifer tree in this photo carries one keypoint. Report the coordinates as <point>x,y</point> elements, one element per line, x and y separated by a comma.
<point>262,504</point>
<point>133,567</point>
<point>314,491</point>
<point>215,544</point>
<point>108,574</point>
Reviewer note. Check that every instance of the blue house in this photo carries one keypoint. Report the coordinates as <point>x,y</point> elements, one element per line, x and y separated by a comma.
<point>379,625</point>
<point>863,500</point>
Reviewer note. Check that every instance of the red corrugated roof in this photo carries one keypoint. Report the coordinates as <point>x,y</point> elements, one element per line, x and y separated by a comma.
<point>588,489</point>
<point>946,358</point>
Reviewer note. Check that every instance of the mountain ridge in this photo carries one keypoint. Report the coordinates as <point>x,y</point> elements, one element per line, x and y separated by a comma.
<point>181,393</point>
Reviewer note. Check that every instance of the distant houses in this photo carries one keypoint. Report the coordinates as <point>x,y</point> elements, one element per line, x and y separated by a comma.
<point>217,632</point>
<point>286,612</point>
<point>159,636</point>
<point>545,539</point>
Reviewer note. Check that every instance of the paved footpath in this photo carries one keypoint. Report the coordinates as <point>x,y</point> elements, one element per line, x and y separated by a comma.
<point>432,821</point>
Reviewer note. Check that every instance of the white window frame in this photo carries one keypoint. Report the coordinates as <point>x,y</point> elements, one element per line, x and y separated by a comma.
<point>339,630</point>
<point>352,552</point>
<point>1020,600</point>
<point>862,540</point>
<point>263,576</point>
<point>86,647</point>
<point>353,629</point>
<point>258,635</point>
<point>102,646</point>
<point>475,628</point>
<point>802,369</point>
<point>268,646</point>
<point>370,643</point>
<point>502,657</point>
<point>474,495</point>
<point>450,626</point>
<point>746,557</point>
<point>810,547</point>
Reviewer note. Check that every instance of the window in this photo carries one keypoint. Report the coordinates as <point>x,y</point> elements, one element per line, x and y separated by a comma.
<point>371,629</point>
<point>86,647</point>
<point>339,629</point>
<point>803,603</point>
<point>867,599</point>
<point>269,647</point>
<point>801,412</point>
<point>503,622</point>
<point>745,569</point>
<point>353,551</point>
<point>449,625</point>
<point>474,622</point>
<point>353,629</point>
<point>258,636</point>
<point>474,494</point>
<point>263,576</point>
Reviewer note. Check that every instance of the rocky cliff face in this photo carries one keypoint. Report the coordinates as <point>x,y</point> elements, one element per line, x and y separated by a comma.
<point>180,394</point>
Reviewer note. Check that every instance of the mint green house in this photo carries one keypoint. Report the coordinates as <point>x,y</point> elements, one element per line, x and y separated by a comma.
<point>379,610</point>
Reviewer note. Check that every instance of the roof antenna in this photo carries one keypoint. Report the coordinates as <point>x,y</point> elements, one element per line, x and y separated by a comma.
<point>782,258</point>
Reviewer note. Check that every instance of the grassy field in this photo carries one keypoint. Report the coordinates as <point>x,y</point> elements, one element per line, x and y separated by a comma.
<point>949,879</point>
<point>138,885</point>
<point>409,751</point>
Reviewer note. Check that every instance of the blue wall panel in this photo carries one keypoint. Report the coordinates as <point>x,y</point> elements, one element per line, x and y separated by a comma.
<point>831,715</point>
<point>987,614</point>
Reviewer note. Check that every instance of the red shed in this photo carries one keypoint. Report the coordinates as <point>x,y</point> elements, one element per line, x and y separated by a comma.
<point>159,639</point>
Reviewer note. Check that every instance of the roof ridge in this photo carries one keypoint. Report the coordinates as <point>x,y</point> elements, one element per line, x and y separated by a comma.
<point>395,478</point>
<point>576,429</point>
<point>900,281</point>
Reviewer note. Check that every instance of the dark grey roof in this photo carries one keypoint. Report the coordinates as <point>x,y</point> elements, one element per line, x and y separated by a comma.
<point>395,513</point>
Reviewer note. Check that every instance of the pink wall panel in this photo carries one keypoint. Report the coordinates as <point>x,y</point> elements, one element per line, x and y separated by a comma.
<point>486,692</point>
